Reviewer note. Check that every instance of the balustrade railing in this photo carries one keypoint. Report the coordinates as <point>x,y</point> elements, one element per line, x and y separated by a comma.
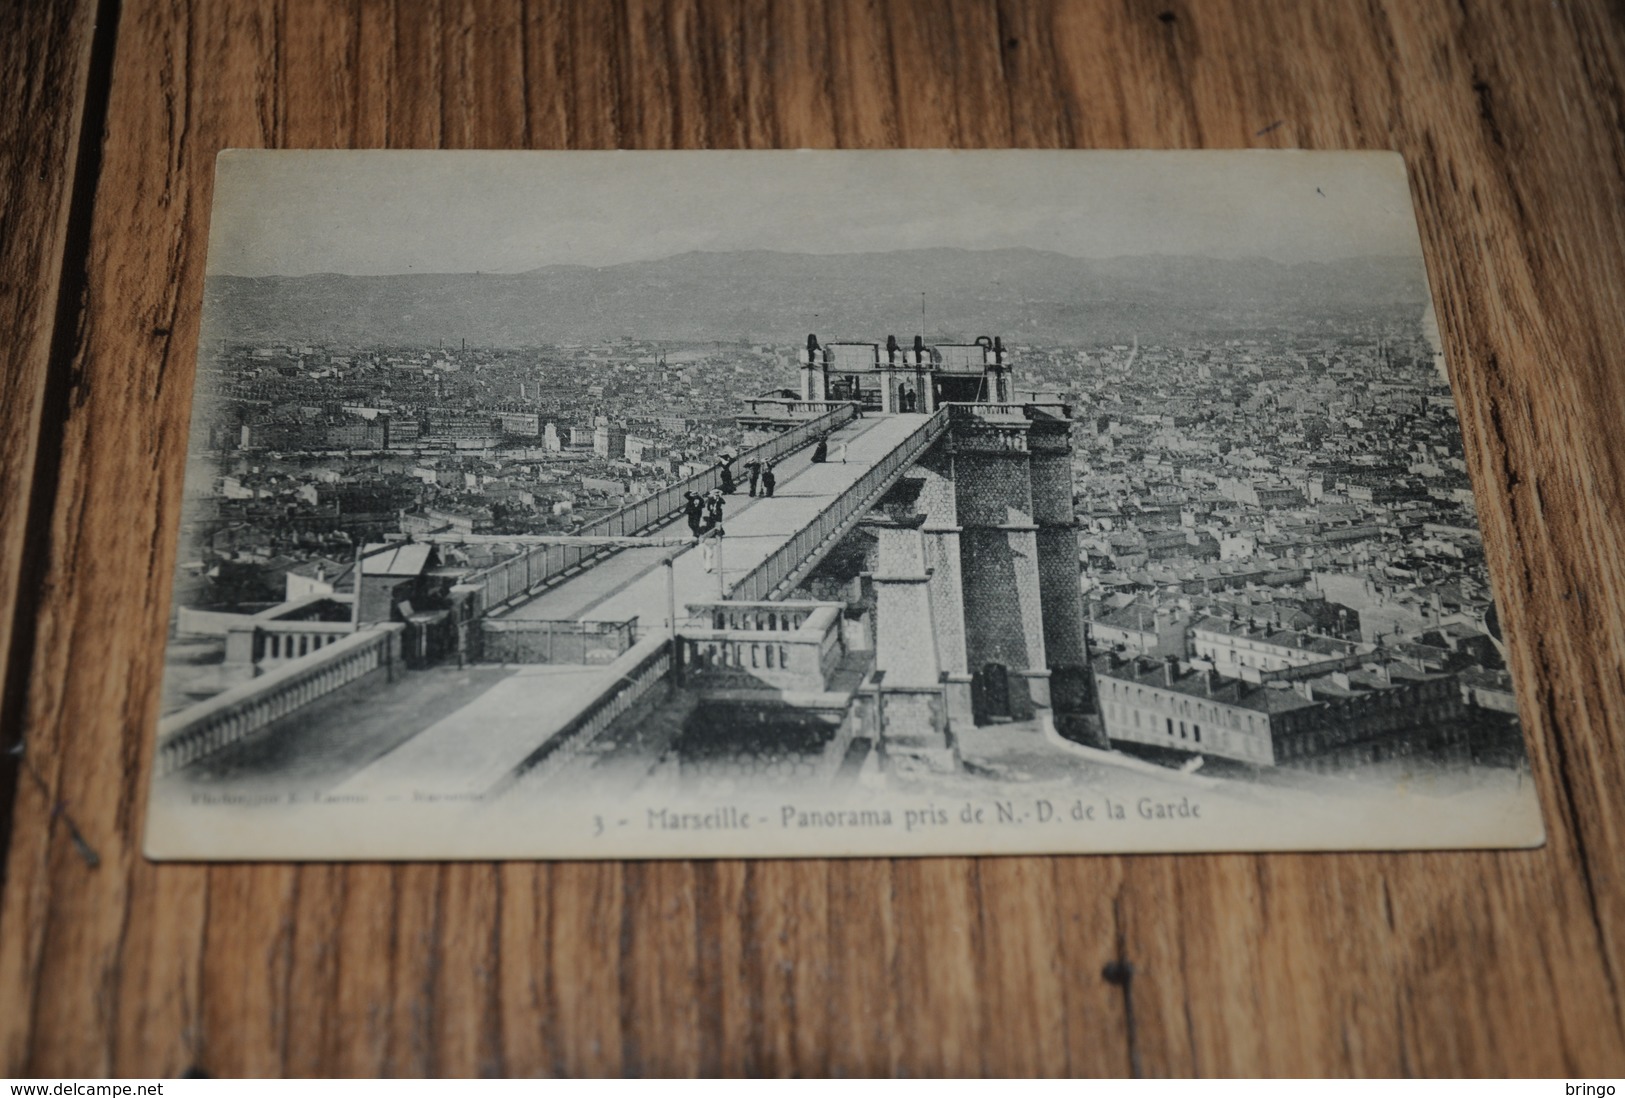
<point>794,556</point>
<point>522,574</point>
<point>1007,409</point>
<point>768,617</point>
<point>276,641</point>
<point>987,410</point>
<point>210,725</point>
<point>756,653</point>
<point>784,408</point>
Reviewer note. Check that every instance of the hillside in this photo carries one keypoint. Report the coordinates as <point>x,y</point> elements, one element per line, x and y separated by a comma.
<point>775,297</point>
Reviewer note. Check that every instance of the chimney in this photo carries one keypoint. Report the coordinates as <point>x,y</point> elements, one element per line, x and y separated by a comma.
<point>891,349</point>
<point>1169,663</point>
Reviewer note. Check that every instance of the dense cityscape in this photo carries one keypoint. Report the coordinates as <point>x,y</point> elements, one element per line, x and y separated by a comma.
<point>1245,505</point>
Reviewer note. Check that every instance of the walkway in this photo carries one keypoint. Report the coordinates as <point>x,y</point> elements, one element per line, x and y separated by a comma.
<point>467,750</point>
<point>633,583</point>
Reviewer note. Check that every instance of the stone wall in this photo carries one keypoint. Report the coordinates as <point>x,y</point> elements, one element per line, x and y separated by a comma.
<point>725,747</point>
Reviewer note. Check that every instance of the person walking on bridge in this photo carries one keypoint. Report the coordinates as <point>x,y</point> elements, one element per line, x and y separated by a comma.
<point>709,547</point>
<point>821,451</point>
<point>754,468</point>
<point>727,474</point>
<point>768,479</point>
<point>713,509</point>
<point>694,510</point>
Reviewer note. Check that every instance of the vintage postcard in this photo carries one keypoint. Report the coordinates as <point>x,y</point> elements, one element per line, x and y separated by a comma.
<point>694,504</point>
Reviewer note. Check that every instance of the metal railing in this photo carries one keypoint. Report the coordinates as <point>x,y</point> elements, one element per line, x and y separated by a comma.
<point>523,574</point>
<point>530,640</point>
<point>206,727</point>
<point>796,556</point>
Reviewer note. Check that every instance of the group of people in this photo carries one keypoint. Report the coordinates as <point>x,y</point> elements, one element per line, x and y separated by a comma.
<point>760,472</point>
<point>761,475</point>
<point>704,513</point>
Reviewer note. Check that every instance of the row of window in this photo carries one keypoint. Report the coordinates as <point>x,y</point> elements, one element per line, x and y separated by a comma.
<point>1130,723</point>
<point>1180,706</point>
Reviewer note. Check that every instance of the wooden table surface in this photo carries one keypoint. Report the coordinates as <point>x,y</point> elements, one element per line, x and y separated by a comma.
<point>1512,118</point>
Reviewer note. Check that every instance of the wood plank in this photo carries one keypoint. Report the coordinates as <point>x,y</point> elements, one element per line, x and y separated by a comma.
<point>1281,964</point>
<point>45,58</point>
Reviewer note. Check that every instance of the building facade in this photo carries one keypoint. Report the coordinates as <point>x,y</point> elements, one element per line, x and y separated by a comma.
<point>891,378</point>
<point>1331,715</point>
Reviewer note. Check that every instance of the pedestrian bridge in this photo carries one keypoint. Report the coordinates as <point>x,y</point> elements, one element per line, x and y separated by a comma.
<point>516,719</point>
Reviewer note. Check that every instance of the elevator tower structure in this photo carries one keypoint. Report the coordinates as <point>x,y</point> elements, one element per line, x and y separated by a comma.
<point>978,616</point>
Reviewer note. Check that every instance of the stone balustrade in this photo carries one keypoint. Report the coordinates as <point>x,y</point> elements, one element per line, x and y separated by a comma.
<point>782,408</point>
<point>780,617</point>
<point>998,410</point>
<point>227,717</point>
<point>263,642</point>
<point>753,650</point>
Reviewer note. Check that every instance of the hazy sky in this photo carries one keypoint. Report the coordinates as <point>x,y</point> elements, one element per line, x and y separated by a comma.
<point>291,213</point>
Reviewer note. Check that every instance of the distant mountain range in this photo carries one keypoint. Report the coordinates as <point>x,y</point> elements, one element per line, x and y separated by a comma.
<point>778,297</point>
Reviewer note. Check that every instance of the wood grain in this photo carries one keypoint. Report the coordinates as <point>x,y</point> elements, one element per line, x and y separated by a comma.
<point>1512,119</point>
<point>44,76</point>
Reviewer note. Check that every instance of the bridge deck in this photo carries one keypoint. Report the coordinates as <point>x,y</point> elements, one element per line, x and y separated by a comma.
<point>499,719</point>
<point>632,581</point>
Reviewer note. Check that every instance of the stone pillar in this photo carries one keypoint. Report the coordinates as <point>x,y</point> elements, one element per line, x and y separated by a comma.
<point>240,645</point>
<point>1057,545</point>
<point>1023,549</point>
<point>905,633</point>
<point>942,558</point>
<point>1004,630</point>
<point>813,382</point>
<point>913,714</point>
<point>1064,639</point>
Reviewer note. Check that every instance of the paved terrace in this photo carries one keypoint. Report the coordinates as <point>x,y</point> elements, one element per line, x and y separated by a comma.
<point>503,715</point>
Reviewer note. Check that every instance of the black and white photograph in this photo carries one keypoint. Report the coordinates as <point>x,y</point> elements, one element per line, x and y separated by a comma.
<point>808,503</point>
